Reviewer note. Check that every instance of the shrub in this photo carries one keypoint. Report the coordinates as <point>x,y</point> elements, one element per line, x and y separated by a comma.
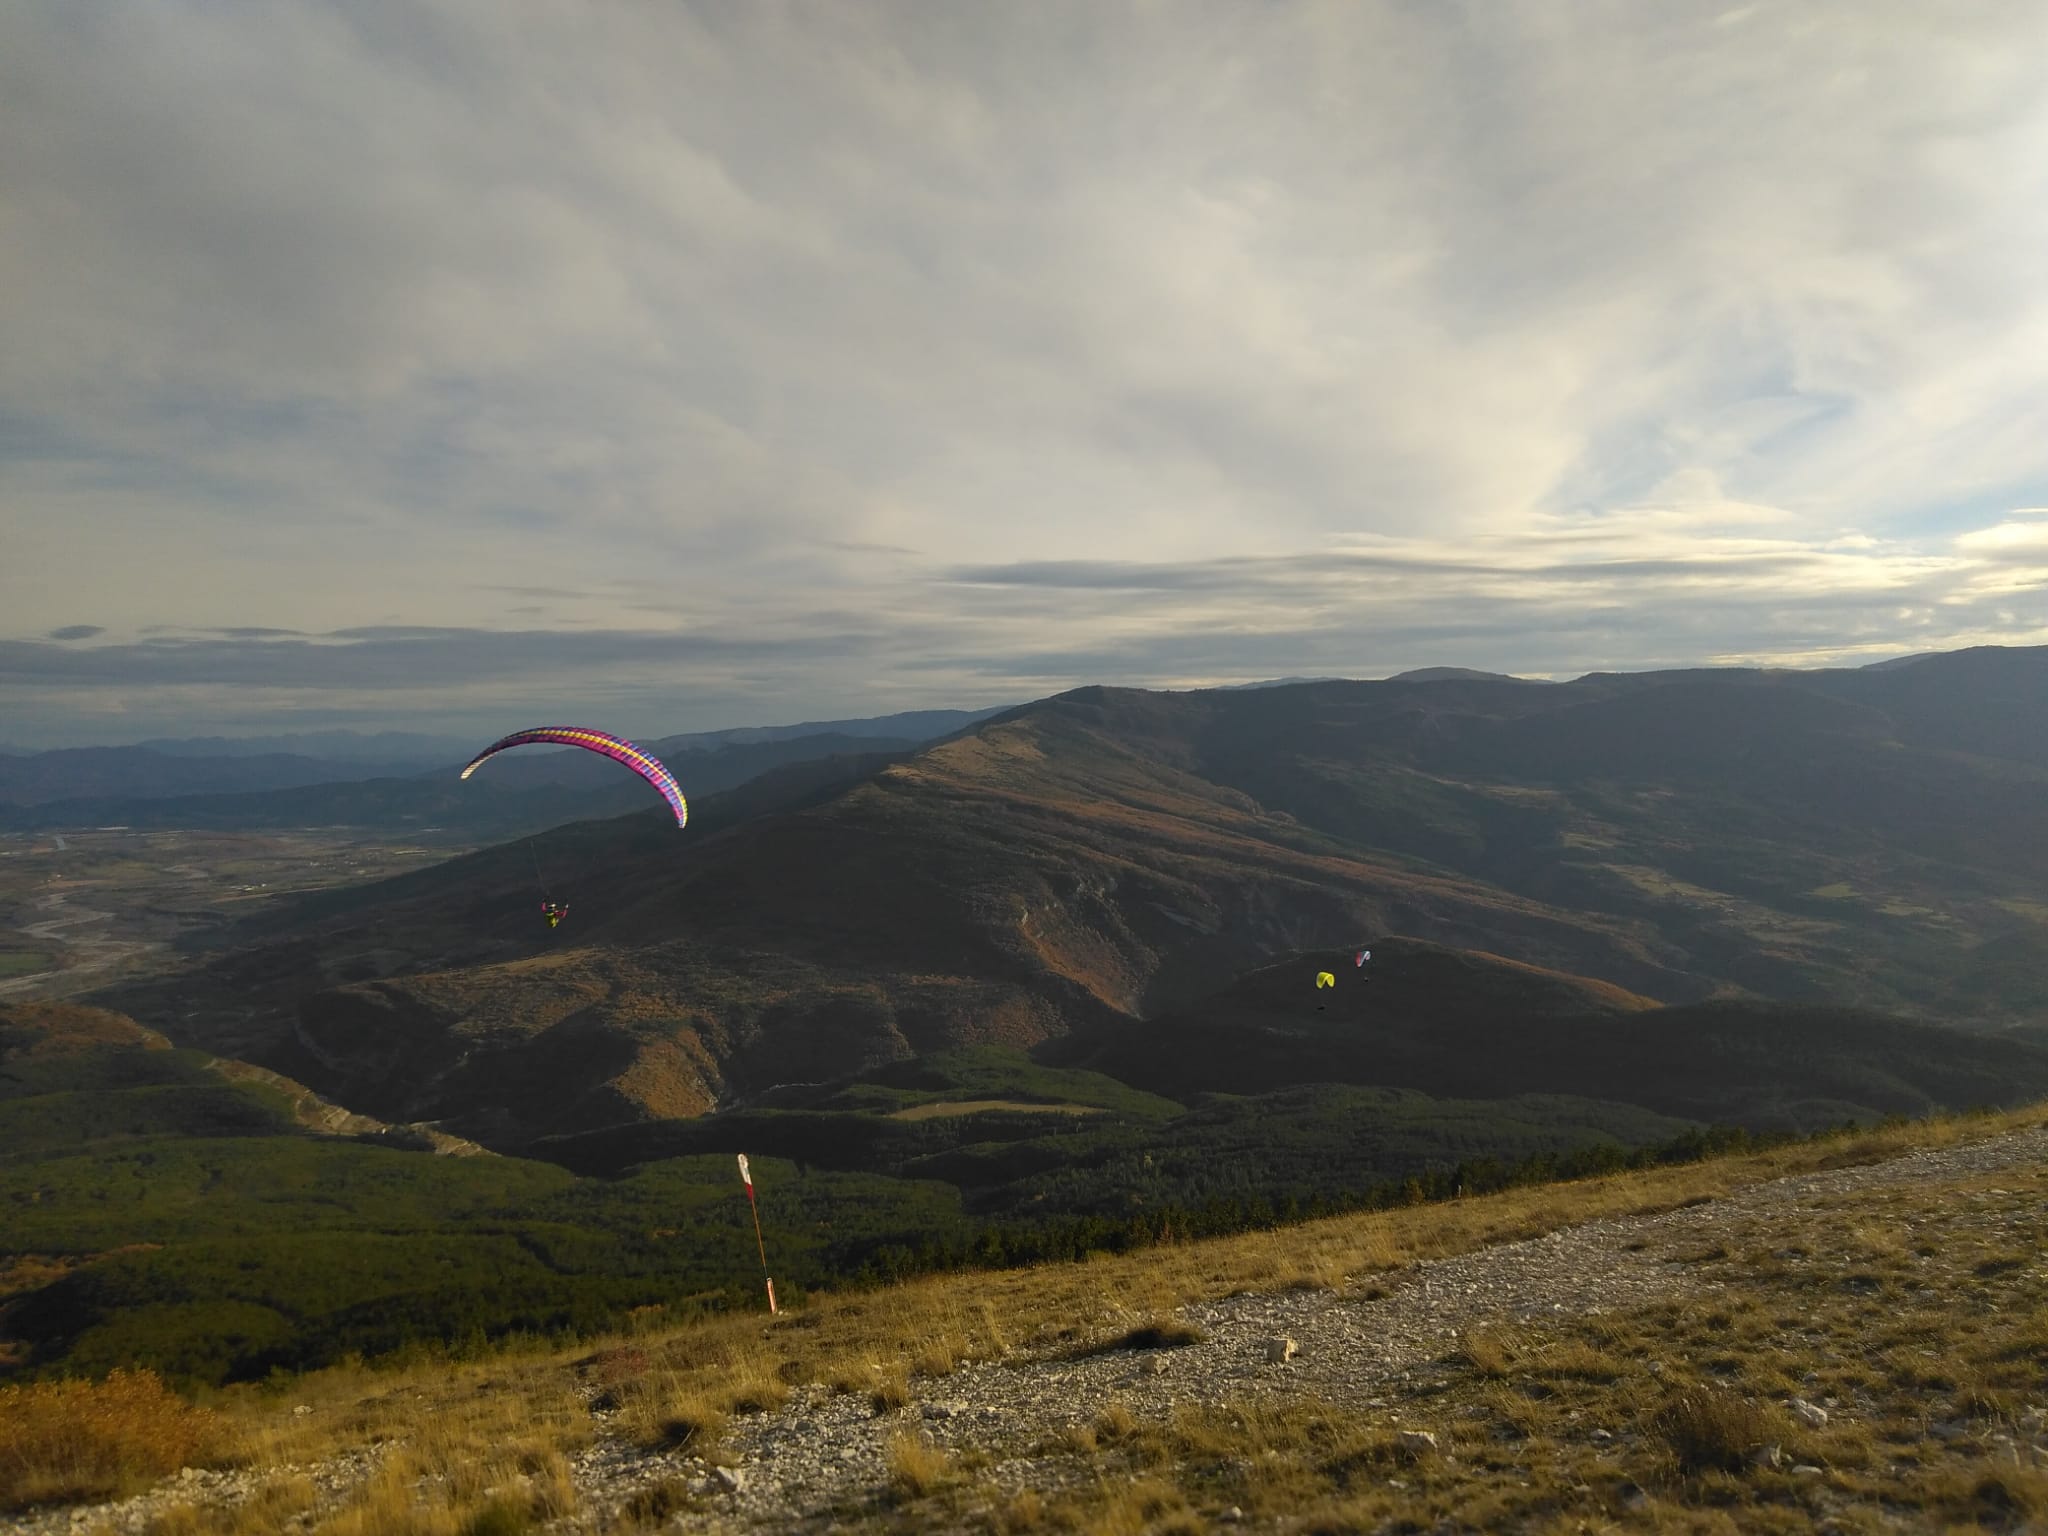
<point>75,1440</point>
<point>916,1470</point>
<point>1714,1430</point>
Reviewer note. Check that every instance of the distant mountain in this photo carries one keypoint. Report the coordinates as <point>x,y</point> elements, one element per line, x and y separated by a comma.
<point>377,747</point>
<point>912,725</point>
<point>142,773</point>
<point>1112,855</point>
<point>1458,674</point>
<point>515,795</point>
<point>1275,682</point>
<point>97,786</point>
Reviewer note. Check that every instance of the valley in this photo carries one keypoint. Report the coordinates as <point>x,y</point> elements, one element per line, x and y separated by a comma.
<point>88,907</point>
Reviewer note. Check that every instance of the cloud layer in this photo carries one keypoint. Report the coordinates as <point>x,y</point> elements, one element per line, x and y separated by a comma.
<point>719,365</point>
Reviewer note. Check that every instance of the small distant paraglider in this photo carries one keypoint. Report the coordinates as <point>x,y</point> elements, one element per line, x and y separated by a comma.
<point>1363,956</point>
<point>554,912</point>
<point>1324,979</point>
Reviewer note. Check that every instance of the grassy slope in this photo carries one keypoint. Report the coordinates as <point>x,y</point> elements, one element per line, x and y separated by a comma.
<point>1941,1325</point>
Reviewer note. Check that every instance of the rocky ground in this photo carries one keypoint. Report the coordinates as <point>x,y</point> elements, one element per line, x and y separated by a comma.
<point>824,1459</point>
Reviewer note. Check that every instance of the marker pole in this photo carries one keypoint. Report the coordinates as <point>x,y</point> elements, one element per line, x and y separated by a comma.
<point>747,1178</point>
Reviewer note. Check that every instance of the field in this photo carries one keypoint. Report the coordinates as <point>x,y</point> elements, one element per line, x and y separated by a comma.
<point>84,909</point>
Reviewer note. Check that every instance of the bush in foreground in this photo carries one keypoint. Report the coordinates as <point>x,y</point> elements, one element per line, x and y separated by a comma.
<point>76,1440</point>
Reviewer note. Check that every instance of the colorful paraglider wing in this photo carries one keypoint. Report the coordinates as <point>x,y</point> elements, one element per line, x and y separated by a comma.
<point>617,748</point>
<point>1325,979</point>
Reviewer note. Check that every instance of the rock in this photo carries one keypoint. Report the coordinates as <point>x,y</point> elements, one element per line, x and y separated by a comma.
<point>1807,1469</point>
<point>1769,1456</point>
<point>1810,1414</point>
<point>1281,1350</point>
<point>939,1410</point>
<point>1155,1365</point>
<point>1603,1434</point>
<point>302,1410</point>
<point>1231,1515</point>
<point>1632,1497</point>
<point>1417,1442</point>
<point>731,1479</point>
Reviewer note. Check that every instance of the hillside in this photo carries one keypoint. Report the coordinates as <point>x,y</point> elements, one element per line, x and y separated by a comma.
<point>213,1220</point>
<point>1109,855</point>
<point>1841,1334</point>
<point>1461,1025</point>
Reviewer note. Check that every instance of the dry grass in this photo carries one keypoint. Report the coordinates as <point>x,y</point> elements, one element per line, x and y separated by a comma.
<point>916,1469</point>
<point>1712,1430</point>
<point>75,1440</point>
<point>889,1391</point>
<point>1941,1320</point>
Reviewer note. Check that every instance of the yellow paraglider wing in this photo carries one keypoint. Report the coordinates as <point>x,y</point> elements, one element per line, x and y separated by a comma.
<point>1325,979</point>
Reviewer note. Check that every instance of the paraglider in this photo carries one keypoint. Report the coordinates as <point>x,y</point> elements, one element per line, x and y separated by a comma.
<point>617,748</point>
<point>1363,956</point>
<point>1324,979</point>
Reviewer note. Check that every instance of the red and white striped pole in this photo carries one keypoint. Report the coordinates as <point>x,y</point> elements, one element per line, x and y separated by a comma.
<point>747,1178</point>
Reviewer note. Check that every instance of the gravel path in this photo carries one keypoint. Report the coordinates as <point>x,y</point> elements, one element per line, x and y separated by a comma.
<point>823,1455</point>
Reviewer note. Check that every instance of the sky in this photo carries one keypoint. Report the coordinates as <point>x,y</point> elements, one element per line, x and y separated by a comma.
<point>461,365</point>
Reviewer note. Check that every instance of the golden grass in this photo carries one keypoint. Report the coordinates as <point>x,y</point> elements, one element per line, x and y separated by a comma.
<point>76,1440</point>
<point>1783,1313</point>
<point>1715,1430</point>
<point>916,1469</point>
<point>890,1390</point>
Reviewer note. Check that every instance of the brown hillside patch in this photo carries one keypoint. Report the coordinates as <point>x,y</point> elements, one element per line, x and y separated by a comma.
<point>952,1107</point>
<point>33,1030</point>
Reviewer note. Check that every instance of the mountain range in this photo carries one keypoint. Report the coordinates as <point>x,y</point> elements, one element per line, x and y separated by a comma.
<point>218,782</point>
<point>1064,871</point>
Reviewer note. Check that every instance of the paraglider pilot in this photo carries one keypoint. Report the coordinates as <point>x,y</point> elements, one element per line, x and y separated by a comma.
<point>554,912</point>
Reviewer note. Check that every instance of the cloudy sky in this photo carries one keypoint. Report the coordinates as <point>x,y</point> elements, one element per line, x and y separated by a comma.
<point>465,365</point>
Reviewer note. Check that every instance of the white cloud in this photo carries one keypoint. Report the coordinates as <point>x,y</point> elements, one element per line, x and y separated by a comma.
<point>323,317</point>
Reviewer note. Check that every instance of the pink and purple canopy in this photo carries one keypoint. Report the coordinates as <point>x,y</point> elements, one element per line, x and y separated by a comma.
<point>617,748</point>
